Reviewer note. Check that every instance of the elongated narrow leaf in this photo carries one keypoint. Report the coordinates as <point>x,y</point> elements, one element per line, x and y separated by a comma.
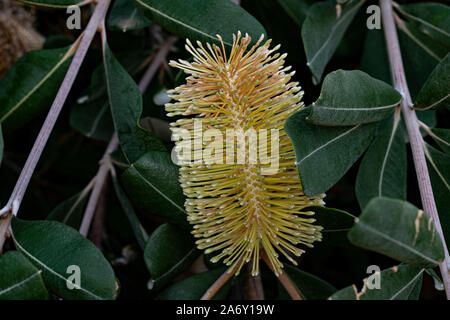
<point>52,3</point>
<point>138,230</point>
<point>439,169</point>
<point>436,91</point>
<point>20,280</point>
<point>401,282</point>
<point>353,97</point>
<point>126,107</point>
<point>336,223</point>
<point>201,20</point>
<point>31,84</point>
<point>193,288</point>
<point>322,31</point>
<point>308,286</point>
<point>124,17</point>
<point>399,230</point>
<point>324,154</point>
<point>383,169</point>
<point>152,182</point>
<point>60,252</point>
<point>168,252</point>
<point>424,40</point>
<point>297,9</point>
<point>70,212</point>
<point>1,144</point>
<point>91,114</point>
<point>428,25</point>
<point>442,138</point>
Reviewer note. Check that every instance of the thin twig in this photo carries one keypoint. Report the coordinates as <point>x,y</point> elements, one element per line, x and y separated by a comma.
<point>41,140</point>
<point>284,280</point>
<point>106,162</point>
<point>412,125</point>
<point>219,283</point>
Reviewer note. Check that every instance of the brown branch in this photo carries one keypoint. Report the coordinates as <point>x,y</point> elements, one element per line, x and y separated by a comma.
<point>284,280</point>
<point>219,283</point>
<point>253,285</point>
<point>412,125</point>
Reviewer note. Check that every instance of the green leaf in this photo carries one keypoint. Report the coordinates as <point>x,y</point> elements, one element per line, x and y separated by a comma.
<point>53,247</point>
<point>201,20</point>
<point>442,138</point>
<point>70,212</point>
<point>169,251</point>
<point>52,3</point>
<point>383,168</point>
<point>125,101</point>
<point>402,282</point>
<point>138,230</point>
<point>31,84</point>
<point>297,9</point>
<point>276,21</point>
<point>324,154</point>
<point>20,279</point>
<point>399,230</point>
<point>308,286</point>
<point>322,31</point>
<point>423,44</point>
<point>125,17</point>
<point>428,25</point>
<point>439,169</point>
<point>336,223</point>
<point>1,145</point>
<point>193,288</point>
<point>436,91</point>
<point>152,183</point>
<point>91,114</point>
<point>353,97</point>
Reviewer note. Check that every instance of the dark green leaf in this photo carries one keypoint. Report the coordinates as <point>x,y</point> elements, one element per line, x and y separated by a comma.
<point>309,286</point>
<point>201,20</point>
<point>1,144</point>
<point>442,138</point>
<point>194,287</point>
<point>20,280</point>
<point>91,114</point>
<point>169,251</point>
<point>126,108</point>
<point>383,169</point>
<point>353,97</point>
<point>423,43</point>
<point>52,3</point>
<point>436,91</point>
<point>296,9</point>
<point>439,169</point>
<point>324,154</point>
<point>53,247</point>
<point>138,229</point>
<point>429,25</point>
<point>402,282</point>
<point>31,84</point>
<point>124,17</point>
<point>70,212</point>
<point>322,31</point>
<point>399,230</point>
<point>336,223</point>
<point>152,182</point>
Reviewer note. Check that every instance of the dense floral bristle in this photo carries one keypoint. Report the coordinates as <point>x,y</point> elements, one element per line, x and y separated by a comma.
<point>236,210</point>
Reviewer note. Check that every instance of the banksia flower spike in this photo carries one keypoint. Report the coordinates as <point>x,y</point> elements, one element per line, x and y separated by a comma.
<point>241,208</point>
